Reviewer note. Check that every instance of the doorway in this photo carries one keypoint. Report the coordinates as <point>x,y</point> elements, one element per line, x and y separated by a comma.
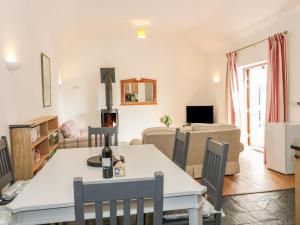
<point>256,86</point>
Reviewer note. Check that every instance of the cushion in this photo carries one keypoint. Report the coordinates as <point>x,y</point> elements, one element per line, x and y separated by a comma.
<point>135,141</point>
<point>69,129</point>
<point>214,126</point>
<point>10,193</point>
<point>159,130</point>
<point>186,129</point>
<point>208,210</point>
<point>5,216</point>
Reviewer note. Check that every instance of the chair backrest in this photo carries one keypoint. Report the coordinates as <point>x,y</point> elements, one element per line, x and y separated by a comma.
<point>213,172</point>
<point>180,149</point>
<point>6,170</point>
<point>99,133</point>
<point>120,191</point>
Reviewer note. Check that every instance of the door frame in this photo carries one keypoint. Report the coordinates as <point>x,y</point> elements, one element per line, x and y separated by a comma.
<point>246,72</point>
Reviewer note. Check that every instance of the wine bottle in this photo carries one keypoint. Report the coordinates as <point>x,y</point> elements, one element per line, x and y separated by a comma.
<point>107,164</point>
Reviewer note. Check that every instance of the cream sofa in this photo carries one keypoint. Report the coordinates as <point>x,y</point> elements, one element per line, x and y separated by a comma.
<point>80,141</point>
<point>163,139</point>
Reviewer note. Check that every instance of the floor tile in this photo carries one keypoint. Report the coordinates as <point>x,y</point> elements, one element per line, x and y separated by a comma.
<point>270,208</point>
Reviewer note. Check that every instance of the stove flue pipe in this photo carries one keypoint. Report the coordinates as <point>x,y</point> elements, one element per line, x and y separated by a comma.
<point>108,77</point>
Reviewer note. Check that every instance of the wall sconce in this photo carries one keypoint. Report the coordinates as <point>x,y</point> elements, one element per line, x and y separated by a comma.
<point>59,80</point>
<point>216,79</point>
<point>13,66</point>
<point>11,61</point>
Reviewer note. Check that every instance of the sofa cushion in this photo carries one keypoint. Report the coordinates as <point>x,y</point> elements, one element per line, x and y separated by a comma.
<point>158,130</point>
<point>213,126</point>
<point>69,129</point>
<point>186,128</point>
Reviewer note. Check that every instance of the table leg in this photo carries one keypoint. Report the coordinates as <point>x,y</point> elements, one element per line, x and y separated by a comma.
<point>195,216</point>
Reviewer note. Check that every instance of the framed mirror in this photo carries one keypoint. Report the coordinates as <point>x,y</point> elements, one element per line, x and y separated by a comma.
<point>138,92</point>
<point>46,80</point>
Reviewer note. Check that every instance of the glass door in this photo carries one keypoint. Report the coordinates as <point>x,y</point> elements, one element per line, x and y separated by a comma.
<point>256,105</point>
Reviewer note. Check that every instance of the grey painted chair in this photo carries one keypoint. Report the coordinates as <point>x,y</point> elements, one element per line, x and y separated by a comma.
<point>180,150</point>
<point>213,173</point>
<point>114,191</point>
<point>99,133</point>
<point>6,170</point>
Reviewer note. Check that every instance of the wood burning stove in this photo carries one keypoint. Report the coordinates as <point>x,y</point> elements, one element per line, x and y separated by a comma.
<point>109,116</point>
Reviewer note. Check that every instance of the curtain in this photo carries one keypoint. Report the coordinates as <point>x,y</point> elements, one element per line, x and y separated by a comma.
<point>277,81</point>
<point>232,91</point>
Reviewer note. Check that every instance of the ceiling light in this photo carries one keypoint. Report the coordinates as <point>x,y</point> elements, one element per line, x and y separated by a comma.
<point>141,33</point>
<point>141,23</point>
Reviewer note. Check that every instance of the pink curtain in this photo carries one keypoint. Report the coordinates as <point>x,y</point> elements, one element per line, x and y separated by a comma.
<point>277,80</point>
<point>232,90</point>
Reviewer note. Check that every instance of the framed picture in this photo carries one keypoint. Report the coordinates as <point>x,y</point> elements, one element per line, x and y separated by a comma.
<point>46,80</point>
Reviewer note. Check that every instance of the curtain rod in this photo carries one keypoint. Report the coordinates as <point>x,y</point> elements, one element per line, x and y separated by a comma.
<point>258,42</point>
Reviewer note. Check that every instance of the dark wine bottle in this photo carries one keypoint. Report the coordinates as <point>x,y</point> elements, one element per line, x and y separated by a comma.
<point>107,163</point>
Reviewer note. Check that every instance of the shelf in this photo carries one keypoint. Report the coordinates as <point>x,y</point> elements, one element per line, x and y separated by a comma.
<point>23,150</point>
<point>37,165</point>
<point>53,148</point>
<point>38,141</point>
<point>41,120</point>
<point>52,131</point>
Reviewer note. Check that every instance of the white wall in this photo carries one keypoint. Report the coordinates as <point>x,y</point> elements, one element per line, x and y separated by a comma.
<point>177,66</point>
<point>289,21</point>
<point>22,37</point>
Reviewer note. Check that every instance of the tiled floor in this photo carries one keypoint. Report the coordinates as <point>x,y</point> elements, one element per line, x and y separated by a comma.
<point>270,208</point>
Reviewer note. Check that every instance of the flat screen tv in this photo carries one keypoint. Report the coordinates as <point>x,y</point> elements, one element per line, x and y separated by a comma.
<point>200,114</point>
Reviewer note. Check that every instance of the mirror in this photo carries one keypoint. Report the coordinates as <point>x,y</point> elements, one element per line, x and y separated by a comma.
<point>138,92</point>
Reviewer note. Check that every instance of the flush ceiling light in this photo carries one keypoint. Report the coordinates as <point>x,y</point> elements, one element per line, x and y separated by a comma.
<point>141,33</point>
<point>140,23</point>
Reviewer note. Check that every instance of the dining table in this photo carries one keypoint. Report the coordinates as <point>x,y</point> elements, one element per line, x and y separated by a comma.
<point>49,197</point>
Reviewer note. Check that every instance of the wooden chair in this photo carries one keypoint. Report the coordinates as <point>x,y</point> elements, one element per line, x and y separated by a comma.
<point>6,170</point>
<point>180,150</point>
<point>114,191</point>
<point>213,173</point>
<point>99,133</point>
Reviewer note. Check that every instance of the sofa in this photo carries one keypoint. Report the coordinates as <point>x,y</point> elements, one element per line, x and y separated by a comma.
<point>70,136</point>
<point>78,141</point>
<point>163,139</point>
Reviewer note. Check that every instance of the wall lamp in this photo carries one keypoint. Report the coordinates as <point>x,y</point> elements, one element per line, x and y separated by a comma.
<point>13,66</point>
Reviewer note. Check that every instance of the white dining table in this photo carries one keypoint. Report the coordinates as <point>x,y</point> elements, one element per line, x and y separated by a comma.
<point>48,197</point>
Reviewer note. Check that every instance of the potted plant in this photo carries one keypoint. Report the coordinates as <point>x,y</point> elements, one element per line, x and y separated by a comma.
<point>166,119</point>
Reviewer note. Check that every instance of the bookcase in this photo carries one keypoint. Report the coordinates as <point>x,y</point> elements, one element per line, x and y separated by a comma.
<point>32,144</point>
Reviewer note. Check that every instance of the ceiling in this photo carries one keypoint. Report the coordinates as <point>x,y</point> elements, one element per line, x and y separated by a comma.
<point>206,22</point>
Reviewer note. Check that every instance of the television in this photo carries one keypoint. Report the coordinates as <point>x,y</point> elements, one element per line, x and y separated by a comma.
<point>200,114</point>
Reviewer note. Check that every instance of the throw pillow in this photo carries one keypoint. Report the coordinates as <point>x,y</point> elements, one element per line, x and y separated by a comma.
<point>69,129</point>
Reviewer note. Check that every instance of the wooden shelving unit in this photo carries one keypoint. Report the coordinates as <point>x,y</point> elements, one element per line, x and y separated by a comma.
<point>22,148</point>
<point>53,148</point>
